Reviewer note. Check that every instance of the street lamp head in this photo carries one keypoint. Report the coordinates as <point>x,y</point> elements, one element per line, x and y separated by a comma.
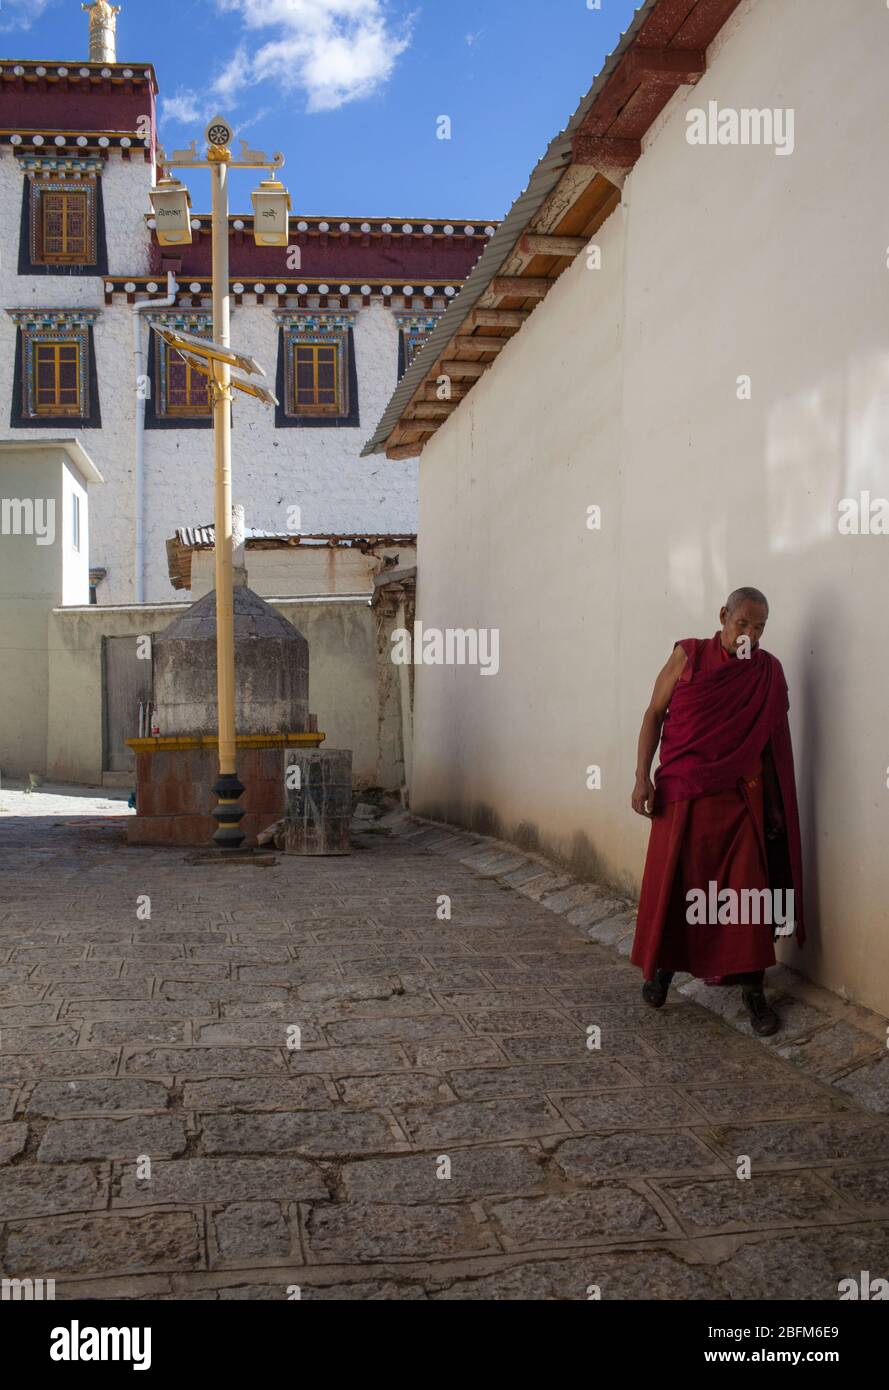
<point>171,204</point>
<point>271,214</point>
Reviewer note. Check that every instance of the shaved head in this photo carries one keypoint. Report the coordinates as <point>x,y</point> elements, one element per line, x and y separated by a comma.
<point>745,595</point>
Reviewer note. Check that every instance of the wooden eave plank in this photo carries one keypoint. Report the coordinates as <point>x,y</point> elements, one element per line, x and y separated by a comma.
<point>624,81</point>
<point>612,156</point>
<point>646,68</point>
<point>550,246</point>
<point>599,197</point>
<point>524,286</point>
<point>497,318</point>
<point>590,213</point>
<point>454,368</point>
<point>478,342</point>
<point>409,432</point>
<point>704,23</point>
<point>665,22</point>
<point>458,391</point>
<point>431,410</point>
<point>675,67</point>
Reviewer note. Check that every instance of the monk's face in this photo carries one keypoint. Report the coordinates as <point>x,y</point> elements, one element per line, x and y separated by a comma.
<point>748,620</point>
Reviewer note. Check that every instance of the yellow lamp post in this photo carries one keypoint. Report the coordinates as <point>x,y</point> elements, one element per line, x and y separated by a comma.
<point>216,361</point>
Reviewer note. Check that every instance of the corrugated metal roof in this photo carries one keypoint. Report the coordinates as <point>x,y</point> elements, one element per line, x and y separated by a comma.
<point>544,179</point>
<point>204,538</point>
<point>188,539</point>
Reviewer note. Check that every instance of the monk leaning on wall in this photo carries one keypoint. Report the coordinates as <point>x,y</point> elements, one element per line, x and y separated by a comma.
<point>723,876</point>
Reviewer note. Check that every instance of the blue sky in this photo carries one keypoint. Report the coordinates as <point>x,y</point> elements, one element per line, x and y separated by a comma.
<point>351,90</point>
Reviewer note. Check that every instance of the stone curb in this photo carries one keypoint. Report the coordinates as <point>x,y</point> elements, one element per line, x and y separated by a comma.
<point>828,1039</point>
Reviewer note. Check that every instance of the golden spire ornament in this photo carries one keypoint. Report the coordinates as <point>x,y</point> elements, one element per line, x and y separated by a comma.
<point>103,31</point>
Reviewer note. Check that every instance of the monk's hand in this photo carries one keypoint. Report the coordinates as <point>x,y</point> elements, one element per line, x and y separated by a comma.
<point>643,797</point>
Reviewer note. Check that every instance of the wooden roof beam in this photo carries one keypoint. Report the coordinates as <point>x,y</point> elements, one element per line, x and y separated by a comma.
<point>535,244</point>
<point>411,432</point>
<point>431,410</point>
<point>462,343</point>
<point>496,318</point>
<point>404,451</point>
<point>613,158</point>
<point>640,68</point>
<point>457,391</point>
<point>521,286</point>
<point>464,369</point>
<point>676,67</point>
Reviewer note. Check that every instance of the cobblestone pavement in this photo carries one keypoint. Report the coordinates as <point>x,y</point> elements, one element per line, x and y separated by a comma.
<point>444,1131</point>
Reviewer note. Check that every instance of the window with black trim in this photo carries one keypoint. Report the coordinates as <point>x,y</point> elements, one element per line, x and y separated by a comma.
<point>55,369</point>
<point>62,230</point>
<point>178,395</point>
<point>317,382</point>
<point>187,390</point>
<point>316,379</point>
<point>57,377</point>
<point>413,331</point>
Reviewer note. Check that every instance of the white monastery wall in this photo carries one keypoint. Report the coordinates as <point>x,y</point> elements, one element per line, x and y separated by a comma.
<point>315,469</point>
<point>622,391</point>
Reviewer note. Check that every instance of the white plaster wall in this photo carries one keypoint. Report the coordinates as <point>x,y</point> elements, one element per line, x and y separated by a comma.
<point>504,544</point>
<point>352,690</point>
<point>31,583</point>
<point>721,261</point>
<point>316,469</point>
<point>125,194</point>
<point>75,561</point>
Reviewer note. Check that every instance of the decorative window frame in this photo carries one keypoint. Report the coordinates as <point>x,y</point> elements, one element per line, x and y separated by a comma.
<point>413,330</point>
<point>156,417</point>
<point>316,326</point>
<point>42,325</point>
<point>47,173</point>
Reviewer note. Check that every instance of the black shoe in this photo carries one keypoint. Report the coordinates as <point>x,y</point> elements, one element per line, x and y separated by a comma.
<point>763,1019</point>
<point>654,992</point>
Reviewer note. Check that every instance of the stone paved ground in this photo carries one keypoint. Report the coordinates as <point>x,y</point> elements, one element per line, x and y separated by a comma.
<point>443,1132</point>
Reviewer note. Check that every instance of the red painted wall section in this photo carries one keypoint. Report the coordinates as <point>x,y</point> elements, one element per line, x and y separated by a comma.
<point>71,105</point>
<point>342,258</point>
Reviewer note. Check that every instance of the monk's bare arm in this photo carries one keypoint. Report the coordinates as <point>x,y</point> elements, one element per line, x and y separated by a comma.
<point>650,733</point>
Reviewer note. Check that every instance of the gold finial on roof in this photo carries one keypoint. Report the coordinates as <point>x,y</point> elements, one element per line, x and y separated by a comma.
<point>103,30</point>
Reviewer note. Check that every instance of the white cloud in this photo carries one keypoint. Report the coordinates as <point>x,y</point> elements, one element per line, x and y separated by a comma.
<point>337,51</point>
<point>185,108</point>
<point>234,76</point>
<point>21,14</point>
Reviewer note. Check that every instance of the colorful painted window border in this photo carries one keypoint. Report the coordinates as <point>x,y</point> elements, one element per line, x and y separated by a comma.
<point>332,329</point>
<point>79,176</point>
<point>157,411</point>
<point>54,326</point>
<point>413,330</point>
<point>337,343</point>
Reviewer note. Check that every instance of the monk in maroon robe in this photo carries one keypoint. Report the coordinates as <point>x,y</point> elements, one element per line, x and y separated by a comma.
<point>723,875</point>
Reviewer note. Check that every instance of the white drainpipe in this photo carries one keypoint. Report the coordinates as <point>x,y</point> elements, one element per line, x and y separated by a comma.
<point>139,480</point>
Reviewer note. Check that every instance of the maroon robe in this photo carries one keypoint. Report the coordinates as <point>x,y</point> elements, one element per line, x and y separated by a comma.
<point>708,821</point>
